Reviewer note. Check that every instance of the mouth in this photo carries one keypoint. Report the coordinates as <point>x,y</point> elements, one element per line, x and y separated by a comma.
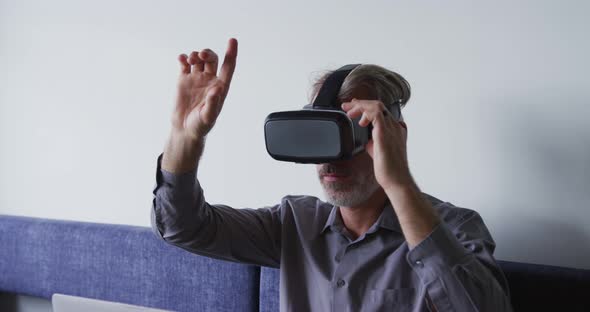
<point>334,177</point>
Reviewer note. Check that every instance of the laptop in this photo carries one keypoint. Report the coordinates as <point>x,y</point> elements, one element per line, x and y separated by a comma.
<point>67,303</point>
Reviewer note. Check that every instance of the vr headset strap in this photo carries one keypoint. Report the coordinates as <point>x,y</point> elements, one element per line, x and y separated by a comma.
<point>328,95</point>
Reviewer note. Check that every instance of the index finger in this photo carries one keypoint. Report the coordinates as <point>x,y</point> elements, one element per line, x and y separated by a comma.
<point>229,61</point>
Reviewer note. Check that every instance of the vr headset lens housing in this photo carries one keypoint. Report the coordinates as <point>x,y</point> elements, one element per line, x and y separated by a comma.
<point>312,136</point>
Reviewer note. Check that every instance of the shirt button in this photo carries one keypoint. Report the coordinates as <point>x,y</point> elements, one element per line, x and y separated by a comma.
<point>472,247</point>
<point>461,235</point>
<point>419,263</point>
<point>340,283</point>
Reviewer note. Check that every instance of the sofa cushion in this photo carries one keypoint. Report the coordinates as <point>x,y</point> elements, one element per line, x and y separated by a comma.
<point>120,263</point>
<point>535,287</point>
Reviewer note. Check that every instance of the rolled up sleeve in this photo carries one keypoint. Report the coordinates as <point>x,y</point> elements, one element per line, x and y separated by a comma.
<point>181,216</point>
<point>456,266</point>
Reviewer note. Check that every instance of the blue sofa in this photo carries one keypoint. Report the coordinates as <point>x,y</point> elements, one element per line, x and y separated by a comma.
<point>130,264</point>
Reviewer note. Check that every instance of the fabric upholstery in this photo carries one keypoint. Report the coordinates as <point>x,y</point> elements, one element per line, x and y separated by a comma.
<point>536,287</point>
<point>120,263</point>
<point>269,289</point>
<point>39,257</point>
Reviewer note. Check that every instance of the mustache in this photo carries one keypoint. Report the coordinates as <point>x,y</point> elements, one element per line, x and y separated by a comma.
<point>333,170</point>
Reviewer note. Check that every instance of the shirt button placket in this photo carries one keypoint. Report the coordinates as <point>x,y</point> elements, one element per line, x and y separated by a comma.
<point>340,301</point>
<point>340,253</point>
<point>339,284</point>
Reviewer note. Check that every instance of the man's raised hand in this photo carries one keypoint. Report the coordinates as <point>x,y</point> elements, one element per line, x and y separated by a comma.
<point>201,92</point>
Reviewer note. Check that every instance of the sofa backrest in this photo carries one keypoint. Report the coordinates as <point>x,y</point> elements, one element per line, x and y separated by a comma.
<point>535,287</point>
<point>122,263</point>
<point>269,289</point>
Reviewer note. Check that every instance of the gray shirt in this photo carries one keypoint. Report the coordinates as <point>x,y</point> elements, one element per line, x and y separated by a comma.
<point>322,268</point>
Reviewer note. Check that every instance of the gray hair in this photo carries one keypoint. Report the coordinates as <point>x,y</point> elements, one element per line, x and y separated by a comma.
<point>380,83</point>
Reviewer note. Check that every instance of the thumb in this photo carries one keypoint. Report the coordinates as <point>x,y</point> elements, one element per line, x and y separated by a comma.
<point>211,109</point>
<point>369,147</point>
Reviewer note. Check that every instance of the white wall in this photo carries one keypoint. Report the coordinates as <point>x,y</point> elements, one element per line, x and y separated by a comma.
<point>497,120</point>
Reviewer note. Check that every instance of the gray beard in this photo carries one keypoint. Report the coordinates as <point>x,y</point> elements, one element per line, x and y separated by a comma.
<point>350,194</point>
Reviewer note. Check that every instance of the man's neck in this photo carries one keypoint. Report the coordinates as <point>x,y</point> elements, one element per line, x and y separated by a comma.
<point>360,218</point>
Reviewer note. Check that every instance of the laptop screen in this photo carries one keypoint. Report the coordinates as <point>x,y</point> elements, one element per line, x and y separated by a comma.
<point>67,303</point>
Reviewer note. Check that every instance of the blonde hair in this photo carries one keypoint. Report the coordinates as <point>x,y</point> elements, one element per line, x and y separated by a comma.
<point>380,83</point>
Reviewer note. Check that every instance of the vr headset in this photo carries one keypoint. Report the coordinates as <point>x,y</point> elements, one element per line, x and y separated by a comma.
<point>321,132</point>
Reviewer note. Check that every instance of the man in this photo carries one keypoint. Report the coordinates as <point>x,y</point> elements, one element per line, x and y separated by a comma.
<point>379,243</point>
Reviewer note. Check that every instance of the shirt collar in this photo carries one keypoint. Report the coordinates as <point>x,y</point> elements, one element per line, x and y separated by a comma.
<point>387,219</point>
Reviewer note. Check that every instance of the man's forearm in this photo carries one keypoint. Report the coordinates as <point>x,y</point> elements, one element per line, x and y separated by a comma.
<point>181,154</point>
<point>416,215</point>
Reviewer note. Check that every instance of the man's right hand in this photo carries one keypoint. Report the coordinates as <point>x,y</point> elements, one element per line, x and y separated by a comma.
<point>201,92</point>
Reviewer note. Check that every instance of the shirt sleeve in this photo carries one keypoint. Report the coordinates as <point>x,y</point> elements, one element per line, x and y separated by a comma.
<point>456,266</point>
<point>181,216</point>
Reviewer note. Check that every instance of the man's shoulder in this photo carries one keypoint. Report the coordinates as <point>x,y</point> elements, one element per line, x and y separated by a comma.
<point>301,198</point>
<point>305,202</point>
<point>306,207</point>
<point>450,213</point>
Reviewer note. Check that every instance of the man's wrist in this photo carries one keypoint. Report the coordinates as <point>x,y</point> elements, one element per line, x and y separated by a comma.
<point>406,188</point>
<point>182,153</point>
<point>416,215</point>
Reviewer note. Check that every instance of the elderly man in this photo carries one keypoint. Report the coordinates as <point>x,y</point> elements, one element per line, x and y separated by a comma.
<point>377,244</point>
